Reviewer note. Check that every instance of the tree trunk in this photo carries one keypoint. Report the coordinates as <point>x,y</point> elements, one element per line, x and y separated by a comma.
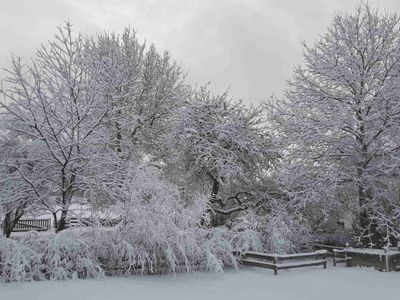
<point>11,219</point>
<point>55,220</point>
<point>7,225</point>
<point>60,225</point>
<point>215,187</point>
<point>367,228</point>
<point>66,197</point>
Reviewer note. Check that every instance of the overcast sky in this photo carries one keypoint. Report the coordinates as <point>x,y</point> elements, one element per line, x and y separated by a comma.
<point>249,46</point>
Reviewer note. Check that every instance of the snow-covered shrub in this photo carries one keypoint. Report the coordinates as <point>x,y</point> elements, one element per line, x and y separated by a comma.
<point>116,255</point>
<point>68,255</point>
<point>284,234</point>
<point>159,232</point>
<point>56,257</point>
<point>245,234</point>
<point>127,251</point>
<point>276,231</point>
<point>18,261</point>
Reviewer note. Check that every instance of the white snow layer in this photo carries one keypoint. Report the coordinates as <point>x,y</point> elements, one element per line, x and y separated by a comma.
<point>338,283</point>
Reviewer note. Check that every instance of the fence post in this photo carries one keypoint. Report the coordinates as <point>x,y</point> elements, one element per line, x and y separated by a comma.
<point>334,257</point>
<point>386,250</point>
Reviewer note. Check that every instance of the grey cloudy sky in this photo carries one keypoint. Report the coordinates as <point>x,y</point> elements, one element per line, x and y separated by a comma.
<point>250,46</point>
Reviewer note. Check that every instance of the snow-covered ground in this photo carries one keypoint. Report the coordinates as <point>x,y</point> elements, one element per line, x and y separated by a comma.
<point>245,284</point>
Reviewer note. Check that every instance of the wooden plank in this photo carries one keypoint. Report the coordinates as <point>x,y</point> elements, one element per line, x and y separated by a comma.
<point>342,259</point>
<point>260,255</point>
<point>302,264</point>
<point>326,247</point>
<point>256,263</point>
<point>315,254</point>
<point>281,266</point>
<point>280,257</point>
<point>339,250</point>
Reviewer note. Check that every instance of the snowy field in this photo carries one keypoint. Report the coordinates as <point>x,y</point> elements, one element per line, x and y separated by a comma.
<point>246,284</point>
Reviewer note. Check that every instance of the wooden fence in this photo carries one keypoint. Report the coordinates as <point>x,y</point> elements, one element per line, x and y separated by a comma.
<point>32,224</point>
<point>283,261</point>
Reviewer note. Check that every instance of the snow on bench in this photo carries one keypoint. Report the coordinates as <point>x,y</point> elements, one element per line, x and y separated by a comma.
<point>283,261</point>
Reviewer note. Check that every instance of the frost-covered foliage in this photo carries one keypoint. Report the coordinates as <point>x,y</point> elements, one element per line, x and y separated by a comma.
<point>50,107</point>
<point>339,120</point>
<point>152,245</point>
<point>55,257</point>
<point>220,148</point>
<point>278,230</point>
<point>157,233</point>
<point>129,251</point>
<point>140,87</point>
<point>221,139</point>
<point>284,234</point>
<point>78,101</point>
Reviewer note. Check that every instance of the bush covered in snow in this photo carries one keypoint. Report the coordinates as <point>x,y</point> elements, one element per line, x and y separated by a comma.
<point>120,251</point>
<point>276,231</point>
<point>55,257</point>
<point>158,233</point>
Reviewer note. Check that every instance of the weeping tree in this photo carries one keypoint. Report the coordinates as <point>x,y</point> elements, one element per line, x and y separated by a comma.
<point>339,122</point>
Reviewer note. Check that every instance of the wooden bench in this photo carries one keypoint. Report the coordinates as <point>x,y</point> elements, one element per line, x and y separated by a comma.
<point>286,261</point>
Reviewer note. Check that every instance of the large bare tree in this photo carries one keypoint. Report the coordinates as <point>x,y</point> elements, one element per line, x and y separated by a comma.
<point>340,121</point>
<point>51,106</point>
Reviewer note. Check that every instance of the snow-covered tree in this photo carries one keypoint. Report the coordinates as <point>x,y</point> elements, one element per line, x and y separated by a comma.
<point>87,104</point>
<point>142,89</point>
<point>217,142</point>
<point>51,106</point>
<point>340,120</point>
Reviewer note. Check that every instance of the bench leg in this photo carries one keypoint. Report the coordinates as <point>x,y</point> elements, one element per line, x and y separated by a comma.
<point>325,265</point>
<point>275,271</point>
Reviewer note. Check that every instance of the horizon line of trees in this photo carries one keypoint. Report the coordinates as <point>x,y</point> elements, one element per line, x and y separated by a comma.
<point>87,114</point>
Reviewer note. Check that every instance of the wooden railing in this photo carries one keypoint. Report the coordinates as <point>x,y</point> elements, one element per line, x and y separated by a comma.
<point>340,256</point>
<point>24,225</point>
<point>32,224</point>
<point>285,261</point>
